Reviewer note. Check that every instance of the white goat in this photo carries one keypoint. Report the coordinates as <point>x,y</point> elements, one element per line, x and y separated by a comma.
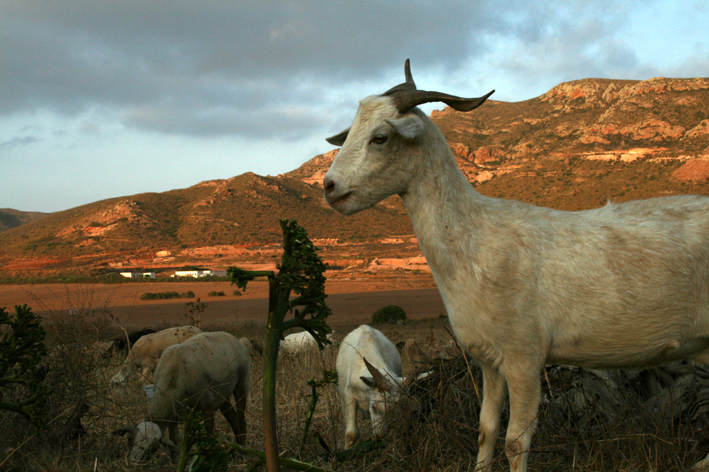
<point>145,353</point>
<point>201,373</point>
<point>623,286</point>
<point>296,343</point>
<point>369,368</point>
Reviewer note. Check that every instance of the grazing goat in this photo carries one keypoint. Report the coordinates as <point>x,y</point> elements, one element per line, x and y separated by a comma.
<point>125,343</point>
<point>297,343</point>
<point>145,354</point>
<point>201,373</point>
<point>369,368</point>
<point>622,286</point>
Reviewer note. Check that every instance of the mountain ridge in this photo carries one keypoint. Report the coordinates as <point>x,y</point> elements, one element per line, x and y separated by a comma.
<point>574,147</point>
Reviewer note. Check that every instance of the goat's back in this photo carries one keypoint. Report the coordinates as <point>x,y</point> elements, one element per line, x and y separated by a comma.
<point>152,345</point>
<point>298,342</point>
<point>372,344</point>
<point>201,373</point>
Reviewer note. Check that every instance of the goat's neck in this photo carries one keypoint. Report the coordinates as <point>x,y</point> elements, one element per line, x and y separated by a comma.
<point>445,211</point>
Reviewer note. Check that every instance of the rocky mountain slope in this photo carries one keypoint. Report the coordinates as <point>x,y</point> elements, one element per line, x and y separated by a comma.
<point>574,147</point>
<point>591,119</point>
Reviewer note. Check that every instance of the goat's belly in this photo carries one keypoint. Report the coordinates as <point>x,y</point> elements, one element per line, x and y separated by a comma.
<point>625,352</point>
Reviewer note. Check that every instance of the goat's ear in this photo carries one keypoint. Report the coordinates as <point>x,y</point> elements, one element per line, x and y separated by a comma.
<point>168,442</point>
<point>369,382</point>
<point>410,127</point>
<point>131,428</point>
<point>338,139</point>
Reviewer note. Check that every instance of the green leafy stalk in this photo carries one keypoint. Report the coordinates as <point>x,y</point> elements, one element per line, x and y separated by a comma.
<point>329,376</point>
<point>301,272</point>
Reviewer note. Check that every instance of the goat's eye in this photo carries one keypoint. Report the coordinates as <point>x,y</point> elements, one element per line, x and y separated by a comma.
<point>379,139</point>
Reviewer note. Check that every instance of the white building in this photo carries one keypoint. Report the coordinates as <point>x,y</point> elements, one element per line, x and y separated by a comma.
<point>199,273</point>
<point>191,273</point>
<point>138,275</point>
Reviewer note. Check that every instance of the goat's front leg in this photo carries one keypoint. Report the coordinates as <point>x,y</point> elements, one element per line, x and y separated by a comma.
<point>350,407</point>
<point>493,398</point>
<point>525,394</point>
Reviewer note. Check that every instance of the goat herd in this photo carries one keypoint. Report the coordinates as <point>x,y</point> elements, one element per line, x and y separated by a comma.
<point>203,370</point>
<point>622,286</point>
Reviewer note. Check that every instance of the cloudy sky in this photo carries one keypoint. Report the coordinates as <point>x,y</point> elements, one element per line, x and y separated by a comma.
<point>102,99</point>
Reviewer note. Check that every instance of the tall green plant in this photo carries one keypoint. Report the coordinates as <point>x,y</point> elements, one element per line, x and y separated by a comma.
<point>301,272</point>
<point>21,350</point>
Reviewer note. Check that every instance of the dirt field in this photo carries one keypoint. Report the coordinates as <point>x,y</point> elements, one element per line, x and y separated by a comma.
<point>352,302</point>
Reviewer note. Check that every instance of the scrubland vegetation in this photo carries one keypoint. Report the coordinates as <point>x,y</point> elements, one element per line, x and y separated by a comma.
<point>586,424</point>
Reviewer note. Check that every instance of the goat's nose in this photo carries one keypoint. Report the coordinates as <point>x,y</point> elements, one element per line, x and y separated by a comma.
<point>328,185</point>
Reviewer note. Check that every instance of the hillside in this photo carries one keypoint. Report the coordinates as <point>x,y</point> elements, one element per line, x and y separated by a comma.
<point>574,147</point>
<point>242,211</point>
<point>10,218</point>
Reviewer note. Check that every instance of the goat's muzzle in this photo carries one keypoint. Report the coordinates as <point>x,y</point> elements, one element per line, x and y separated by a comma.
<point>333,195</point>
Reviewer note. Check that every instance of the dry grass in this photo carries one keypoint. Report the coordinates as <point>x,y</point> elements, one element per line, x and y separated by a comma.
<point>433,427</point>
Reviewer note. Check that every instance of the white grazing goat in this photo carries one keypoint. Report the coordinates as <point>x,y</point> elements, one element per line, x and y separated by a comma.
<point>622,286</point>
<point>369,368</point>
<point>201,373</point>
<point>297,343</point>
<point>145,353</point>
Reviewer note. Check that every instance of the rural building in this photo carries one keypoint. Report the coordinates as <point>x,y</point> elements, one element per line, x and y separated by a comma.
<point>191,273</point>
<point>138,275</point>
<point>199,273</point>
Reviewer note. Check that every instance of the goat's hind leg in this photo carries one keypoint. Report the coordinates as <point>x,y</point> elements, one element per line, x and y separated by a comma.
<point>493,399</point>
<point>702,465</point>
<point>236,414</point>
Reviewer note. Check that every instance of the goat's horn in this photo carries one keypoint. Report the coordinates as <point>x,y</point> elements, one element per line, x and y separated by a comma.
<point>406,100</point>
<point>406,96</point>
<point>378,377</point>
<point>407,86</point>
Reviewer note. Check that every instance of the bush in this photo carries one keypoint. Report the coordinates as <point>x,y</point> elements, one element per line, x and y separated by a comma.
<point>21,350</point>
<point>166,295</point>
<point>216,294</point>
<point>390,314</point>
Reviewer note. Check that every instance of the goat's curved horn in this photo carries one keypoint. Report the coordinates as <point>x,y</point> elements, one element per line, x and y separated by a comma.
<point>405,101</point>
<point>406,96</point>
<point>378,377</point>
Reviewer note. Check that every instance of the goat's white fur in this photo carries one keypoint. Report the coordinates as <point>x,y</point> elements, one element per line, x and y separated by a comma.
<point>145,353</point>
<point>296,343</point>
<point>201,373</point>
<point>622,286</point>
<point>358,390</point>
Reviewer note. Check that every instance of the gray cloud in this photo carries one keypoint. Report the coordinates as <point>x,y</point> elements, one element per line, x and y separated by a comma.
<point>18,141</point>
<point>224,67</point>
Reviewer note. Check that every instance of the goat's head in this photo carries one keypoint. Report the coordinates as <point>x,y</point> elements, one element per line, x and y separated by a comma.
<point>376,159</point>
<point>144,439</point>
<point>384,389</point>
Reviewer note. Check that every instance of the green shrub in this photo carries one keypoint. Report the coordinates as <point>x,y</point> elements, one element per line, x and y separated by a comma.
<point>21,350</point>
<point>390,314</point>
<point>216,294</point>
<point>166,295</point>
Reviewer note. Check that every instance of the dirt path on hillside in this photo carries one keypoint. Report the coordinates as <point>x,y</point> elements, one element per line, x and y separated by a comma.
<point>352,302</point>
